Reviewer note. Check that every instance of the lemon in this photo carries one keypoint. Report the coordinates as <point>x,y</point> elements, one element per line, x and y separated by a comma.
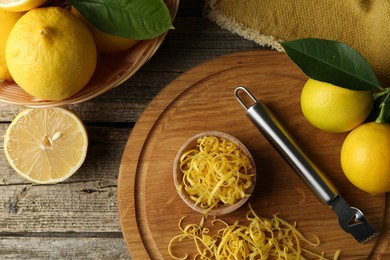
<point>20,5</point>
<point>332,108</point>
<point>365,157</point>
<point>8,20</point>
<point>46,145</point>
<point>105,42</point>
<point>108,43</point>
<point>50,53</point>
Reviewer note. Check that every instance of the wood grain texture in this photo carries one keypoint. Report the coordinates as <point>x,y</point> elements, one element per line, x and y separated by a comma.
<point>63,248</point>
<point>72,207</point>
<point>202,100</point>
<point>109,119</point>
<point>82,208</point>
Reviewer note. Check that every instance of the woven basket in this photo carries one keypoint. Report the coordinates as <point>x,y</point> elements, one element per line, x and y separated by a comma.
<point>111,71</point>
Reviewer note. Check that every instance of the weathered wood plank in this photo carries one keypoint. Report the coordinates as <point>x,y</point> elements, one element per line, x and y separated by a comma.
<point>195,40</point>
<point>68,207</point>
<point>62,248</point>
<point>190,7</point>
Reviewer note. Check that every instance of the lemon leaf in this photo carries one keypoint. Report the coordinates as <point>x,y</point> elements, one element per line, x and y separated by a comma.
<point>332,62</point>
<point>133,19</point>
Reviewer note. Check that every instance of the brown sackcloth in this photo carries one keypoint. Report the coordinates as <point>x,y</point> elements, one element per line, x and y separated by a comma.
<point>364,25</point>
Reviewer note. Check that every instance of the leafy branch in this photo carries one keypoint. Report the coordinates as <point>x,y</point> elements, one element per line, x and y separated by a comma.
<point>339,64</point>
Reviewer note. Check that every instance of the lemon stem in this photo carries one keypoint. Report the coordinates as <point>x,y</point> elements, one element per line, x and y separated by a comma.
<point>383,92</point>
<point>381,117</point>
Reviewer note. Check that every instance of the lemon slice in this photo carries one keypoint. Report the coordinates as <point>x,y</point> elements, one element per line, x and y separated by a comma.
<point>46,145</point>
<point>20,5</point>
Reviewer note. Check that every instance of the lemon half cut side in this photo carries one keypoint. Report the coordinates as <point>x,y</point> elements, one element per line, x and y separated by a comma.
<point>46,145</point>
<point>20,5</point>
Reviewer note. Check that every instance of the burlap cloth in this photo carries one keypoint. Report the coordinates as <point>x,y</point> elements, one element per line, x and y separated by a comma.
<point>364,24</point>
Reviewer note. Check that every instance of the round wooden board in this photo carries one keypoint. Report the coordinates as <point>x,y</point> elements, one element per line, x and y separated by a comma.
<point>202,100</point>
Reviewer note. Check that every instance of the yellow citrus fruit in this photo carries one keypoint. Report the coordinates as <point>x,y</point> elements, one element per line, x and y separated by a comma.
<point>105,42</point>
<point>8,20</point>
<point>108,43</point>
<point>332,108</point>
<point>46,145</point>
<point>50,53</point>
<point>365,157</point>
<point>20,5</point>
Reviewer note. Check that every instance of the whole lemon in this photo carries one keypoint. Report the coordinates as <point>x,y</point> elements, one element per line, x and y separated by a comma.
<point>8,20</point>
<point>108,43</point>
<point>365,157</point>
<point>332,108</point>
<point>50,53</point>
<point>105,42</point>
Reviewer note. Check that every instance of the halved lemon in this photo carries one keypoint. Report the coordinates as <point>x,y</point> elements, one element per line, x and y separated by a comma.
<point>20,5</point>
<point>46,145</point>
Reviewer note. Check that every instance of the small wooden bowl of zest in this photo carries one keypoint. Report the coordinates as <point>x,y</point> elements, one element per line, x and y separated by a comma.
<point>214,173</point>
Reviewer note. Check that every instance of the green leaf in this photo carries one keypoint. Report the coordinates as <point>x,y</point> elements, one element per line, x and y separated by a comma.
<point>133,19</point>
<point>333,62</point>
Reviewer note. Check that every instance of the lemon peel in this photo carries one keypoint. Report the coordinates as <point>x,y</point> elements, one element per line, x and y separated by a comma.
<point>216,173</point>
<point>260,238</point>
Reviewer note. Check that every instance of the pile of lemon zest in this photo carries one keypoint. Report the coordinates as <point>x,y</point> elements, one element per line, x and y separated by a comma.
<point>260,239</point>
<point>216,173</point>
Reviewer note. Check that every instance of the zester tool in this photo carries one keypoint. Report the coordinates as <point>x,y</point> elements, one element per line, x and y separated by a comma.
<point>350,218</point>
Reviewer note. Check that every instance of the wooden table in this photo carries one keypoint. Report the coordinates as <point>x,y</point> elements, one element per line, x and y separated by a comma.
<point>78,219</point>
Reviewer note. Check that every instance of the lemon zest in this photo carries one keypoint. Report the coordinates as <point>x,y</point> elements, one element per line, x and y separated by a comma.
<point>261,238</point>
<point>216,173</point>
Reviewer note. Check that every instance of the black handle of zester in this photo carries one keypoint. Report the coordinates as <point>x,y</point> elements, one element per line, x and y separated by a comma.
<point>263,118</point>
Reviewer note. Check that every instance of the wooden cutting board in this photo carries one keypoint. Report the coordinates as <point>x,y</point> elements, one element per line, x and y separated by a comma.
<point>202,100</point>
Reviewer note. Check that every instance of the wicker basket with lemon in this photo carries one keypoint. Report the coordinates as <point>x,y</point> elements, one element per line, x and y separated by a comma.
<point>51,55</point>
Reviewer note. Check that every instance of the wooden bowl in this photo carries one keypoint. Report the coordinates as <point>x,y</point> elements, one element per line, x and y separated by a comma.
<point>111,71</point>
<point>177,174</point>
